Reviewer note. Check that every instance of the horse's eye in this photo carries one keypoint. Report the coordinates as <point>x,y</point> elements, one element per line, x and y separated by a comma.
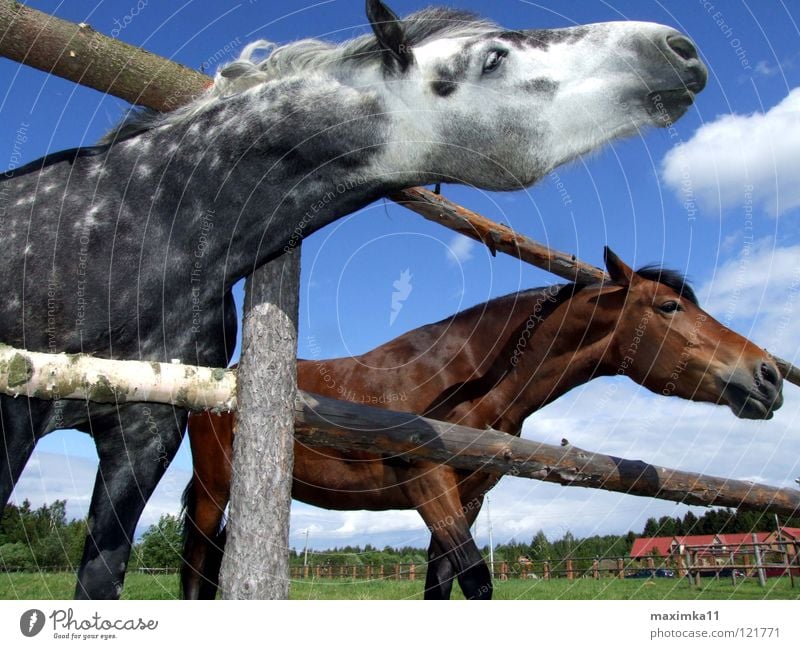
<point>493,60</point>
<point>670,307</point>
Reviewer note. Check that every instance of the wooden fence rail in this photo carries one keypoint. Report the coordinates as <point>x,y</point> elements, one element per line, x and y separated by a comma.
<point>328,423</point>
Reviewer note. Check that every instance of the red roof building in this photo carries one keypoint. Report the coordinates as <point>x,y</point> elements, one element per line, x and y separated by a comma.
<point>666,546</point>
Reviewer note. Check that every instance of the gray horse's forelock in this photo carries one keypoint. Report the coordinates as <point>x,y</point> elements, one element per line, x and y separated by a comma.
<point>263,61</point>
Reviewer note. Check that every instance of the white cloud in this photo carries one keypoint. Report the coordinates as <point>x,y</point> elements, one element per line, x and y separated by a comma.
<point>726,157</point>
<point>766,69</point>
<point>757,293</point>
<point>52,476</point>
<point>460,249</point>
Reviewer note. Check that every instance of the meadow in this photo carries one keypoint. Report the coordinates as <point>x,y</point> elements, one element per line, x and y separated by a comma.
<point>140,586</point>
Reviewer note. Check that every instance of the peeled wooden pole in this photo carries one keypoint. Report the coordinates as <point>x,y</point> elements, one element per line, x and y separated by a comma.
<point>82,55</point>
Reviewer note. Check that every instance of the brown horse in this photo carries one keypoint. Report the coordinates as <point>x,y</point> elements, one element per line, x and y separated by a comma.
<point>489,366</point>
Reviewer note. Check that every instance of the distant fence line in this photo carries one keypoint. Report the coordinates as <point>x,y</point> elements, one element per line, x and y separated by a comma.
<point>749,560</point>
<point>746,560</point>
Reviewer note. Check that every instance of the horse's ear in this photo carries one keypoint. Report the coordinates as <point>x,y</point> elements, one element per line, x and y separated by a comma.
<point>389,31</point>
<point>620,272</point>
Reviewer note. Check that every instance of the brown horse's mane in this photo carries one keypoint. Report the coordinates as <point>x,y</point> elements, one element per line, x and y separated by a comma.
<point>674,279</point>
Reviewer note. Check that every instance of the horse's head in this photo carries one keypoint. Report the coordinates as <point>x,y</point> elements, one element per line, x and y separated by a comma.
<point>499,108</point>
<point>664,341</point>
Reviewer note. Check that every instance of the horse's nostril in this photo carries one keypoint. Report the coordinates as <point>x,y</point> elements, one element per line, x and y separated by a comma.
<point>682,46</point>
<point>694,74</point>
<point>769,374</point>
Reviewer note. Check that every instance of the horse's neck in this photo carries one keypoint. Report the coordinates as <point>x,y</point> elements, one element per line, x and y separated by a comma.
<point>475,354</point>
<point>275,164</point>
<point>566,350</point>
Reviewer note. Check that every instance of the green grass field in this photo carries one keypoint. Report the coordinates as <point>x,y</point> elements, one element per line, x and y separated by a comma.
<point>138,586</point>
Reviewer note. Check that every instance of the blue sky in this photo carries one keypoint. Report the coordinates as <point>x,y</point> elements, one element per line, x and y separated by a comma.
<point>741,248</point>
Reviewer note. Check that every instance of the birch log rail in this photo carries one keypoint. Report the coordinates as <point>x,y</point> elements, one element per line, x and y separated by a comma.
<point>80,376</point>
<point>83,55</point>
<point>320,421</point>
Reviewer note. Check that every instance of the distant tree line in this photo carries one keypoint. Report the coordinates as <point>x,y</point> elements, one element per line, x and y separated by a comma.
<point>42,539</point>
<point>38,539</point>
<point>714,521</point>
<point>567,547</point>
<point>354,555</point>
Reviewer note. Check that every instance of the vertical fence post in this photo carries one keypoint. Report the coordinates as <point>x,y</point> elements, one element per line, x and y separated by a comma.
<point>595,569</point>
<point>694,574</point>
<point>256,562</point>
<point>787,563</point>
<point>504,571</point>
<point>546,570</point>
<point>762,577</point>
<point>679,566</point>
<point>570,573</point>
<point>412,572</point>
<point>621,568</point>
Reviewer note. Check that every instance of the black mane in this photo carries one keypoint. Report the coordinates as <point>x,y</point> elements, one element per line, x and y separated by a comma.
<point>671,278</point>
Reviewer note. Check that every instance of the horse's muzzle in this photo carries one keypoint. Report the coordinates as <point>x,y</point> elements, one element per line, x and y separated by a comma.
<point>755,396</point>
<point>682,76</point>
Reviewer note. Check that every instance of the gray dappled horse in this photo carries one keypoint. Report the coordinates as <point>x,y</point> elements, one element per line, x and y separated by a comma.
<point>129,250</point>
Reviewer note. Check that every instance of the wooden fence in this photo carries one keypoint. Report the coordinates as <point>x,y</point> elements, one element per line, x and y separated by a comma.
<point>742,564</point>
<point>760,560</point>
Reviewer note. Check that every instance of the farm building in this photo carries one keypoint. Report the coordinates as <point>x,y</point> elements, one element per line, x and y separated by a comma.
<point>716,548</point>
